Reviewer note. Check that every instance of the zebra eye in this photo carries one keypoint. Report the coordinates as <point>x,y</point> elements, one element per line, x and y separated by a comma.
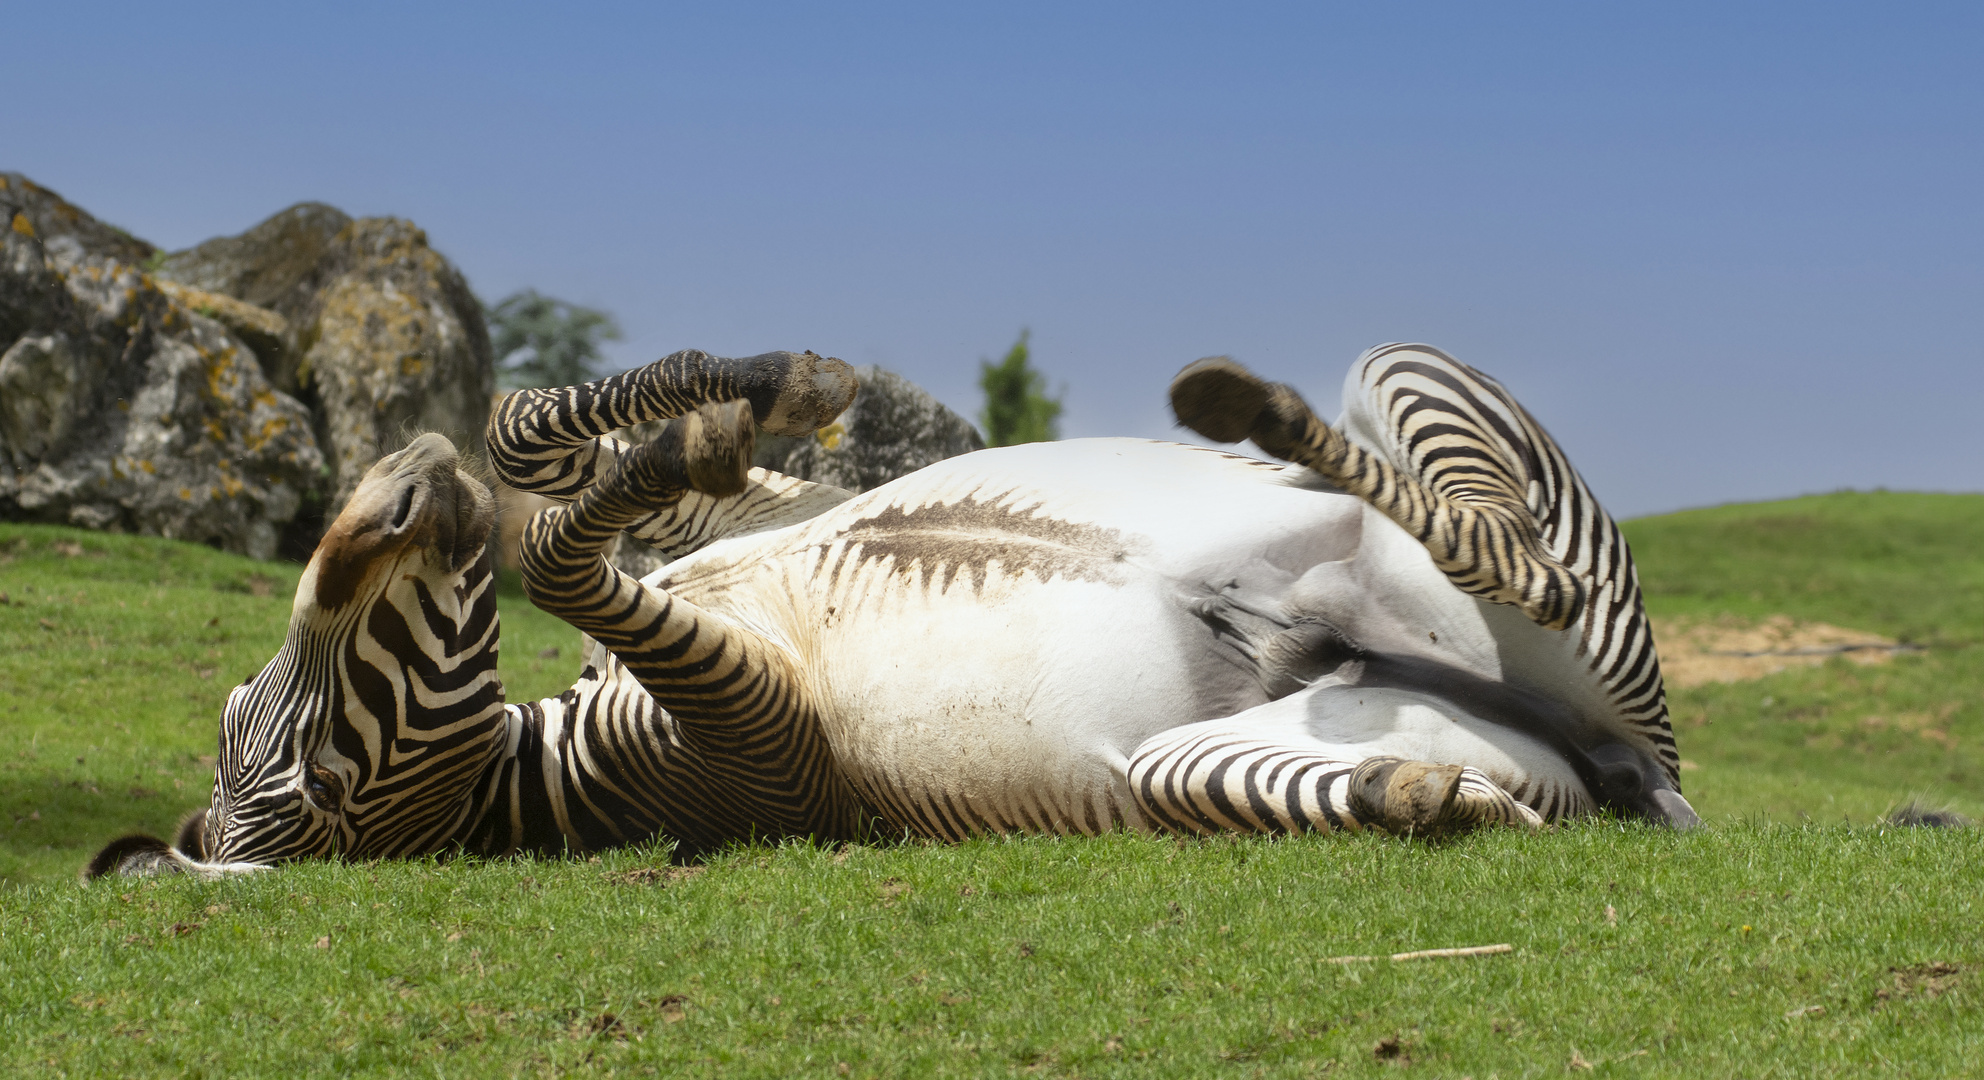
<point>323,788</point>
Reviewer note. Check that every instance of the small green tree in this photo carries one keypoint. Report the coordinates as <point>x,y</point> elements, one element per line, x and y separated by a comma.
<point>1017,408</point>
<point>541,341</point>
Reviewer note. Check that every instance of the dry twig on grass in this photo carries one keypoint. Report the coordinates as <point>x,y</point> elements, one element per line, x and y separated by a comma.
<point>1428,954</point>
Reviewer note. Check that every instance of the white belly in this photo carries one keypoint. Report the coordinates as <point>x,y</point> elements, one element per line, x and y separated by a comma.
<point>991,638</point>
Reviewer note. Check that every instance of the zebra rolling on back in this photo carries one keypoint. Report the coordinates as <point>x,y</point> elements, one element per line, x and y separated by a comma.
<point>1426,624</point>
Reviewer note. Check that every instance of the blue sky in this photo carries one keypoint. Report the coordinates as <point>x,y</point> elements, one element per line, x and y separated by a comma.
<point>1723,251</point>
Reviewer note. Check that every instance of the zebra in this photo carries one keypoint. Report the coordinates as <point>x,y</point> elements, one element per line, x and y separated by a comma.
<point>1421,623</point>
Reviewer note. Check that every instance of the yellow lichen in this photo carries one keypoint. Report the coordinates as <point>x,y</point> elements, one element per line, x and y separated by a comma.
<point>271,427</point>
<point>22,225</point>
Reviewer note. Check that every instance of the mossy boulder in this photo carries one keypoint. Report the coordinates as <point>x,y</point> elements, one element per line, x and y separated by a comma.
<point>122,408</point>
<point>279,266</point>
<point>368,324</point>
<point>393,343</point>
<point>61,225</point>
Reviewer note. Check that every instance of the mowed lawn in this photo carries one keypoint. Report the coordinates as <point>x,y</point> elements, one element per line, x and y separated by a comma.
<point>1795,936</point>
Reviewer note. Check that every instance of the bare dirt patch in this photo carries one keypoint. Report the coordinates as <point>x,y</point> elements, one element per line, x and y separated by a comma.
<point>1925,980</point>
<point>1698,651</point>
<point>655,875</point>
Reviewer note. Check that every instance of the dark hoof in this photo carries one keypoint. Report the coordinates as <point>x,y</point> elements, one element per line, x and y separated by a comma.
<point>717,440</point>
<point>813,390</point>
<point>1219,399</point>
<point>1406,798</point>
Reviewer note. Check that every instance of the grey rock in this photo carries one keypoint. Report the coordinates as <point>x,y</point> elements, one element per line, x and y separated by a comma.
<point>280,265</point>
<point>396,344</point>
<point>263,330</point>
<point>57,223</point>
<point>893,429</point>
<point>32,297</point>
<point>361,319</point>
<point>268,370</point>
<point>121,409</point>
<point>43,380</point>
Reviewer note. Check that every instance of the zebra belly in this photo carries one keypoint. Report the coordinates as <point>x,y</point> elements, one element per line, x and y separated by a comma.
<point>992,637</point>
<point>989,640</point>
<point>970,717</point>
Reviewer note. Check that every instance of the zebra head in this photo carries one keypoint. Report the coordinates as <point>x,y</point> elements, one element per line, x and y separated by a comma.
<point>365,735</point>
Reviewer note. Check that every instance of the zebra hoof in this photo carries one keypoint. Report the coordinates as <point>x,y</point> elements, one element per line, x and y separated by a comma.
<point>1405,798</point>
<point>1218,398</point>
<point>806,392</point>
<point>717,440</point>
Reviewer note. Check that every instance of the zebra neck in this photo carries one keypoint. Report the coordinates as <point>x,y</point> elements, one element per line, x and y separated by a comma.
<point>602,766</point>
<point>533,797</point>
<point>595,767</point>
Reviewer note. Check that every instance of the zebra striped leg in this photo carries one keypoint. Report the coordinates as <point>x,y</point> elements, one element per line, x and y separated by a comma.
<point>1205,781</point>
<point>1450,456</point>
<point>551,441</point>
<point>770,500</point>
<point>1475,522</point>
<point>736,699</point>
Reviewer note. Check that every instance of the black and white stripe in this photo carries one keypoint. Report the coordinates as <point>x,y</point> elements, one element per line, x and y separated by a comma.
<point>1466,438</point>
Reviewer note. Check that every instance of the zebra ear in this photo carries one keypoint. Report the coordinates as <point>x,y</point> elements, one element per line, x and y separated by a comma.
<point>191,839</point>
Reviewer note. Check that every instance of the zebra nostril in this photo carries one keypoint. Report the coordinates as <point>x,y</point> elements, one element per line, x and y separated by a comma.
<point>404,509</point>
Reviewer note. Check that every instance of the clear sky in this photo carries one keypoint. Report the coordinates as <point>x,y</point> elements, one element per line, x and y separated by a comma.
<point>1723,251</point>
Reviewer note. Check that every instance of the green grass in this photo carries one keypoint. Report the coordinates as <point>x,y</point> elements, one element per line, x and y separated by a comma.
<point>1122,956</point>
<point>1906,564</point>
<point>1843,742</point>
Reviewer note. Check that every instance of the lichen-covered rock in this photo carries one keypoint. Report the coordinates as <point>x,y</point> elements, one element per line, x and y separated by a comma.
<point>309,331</point>
<point>57,223</point>
<point>893,429</point>
<point>263,330</point>
<point>394,343</point>
<point>280,265</point>
<point>361,319</point>
<point>121,409</point>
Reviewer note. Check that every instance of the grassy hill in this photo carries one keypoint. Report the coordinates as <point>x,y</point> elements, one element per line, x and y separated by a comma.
<point>1761,945</point>
<point>1842,742</point>
<point>1907,564</point>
